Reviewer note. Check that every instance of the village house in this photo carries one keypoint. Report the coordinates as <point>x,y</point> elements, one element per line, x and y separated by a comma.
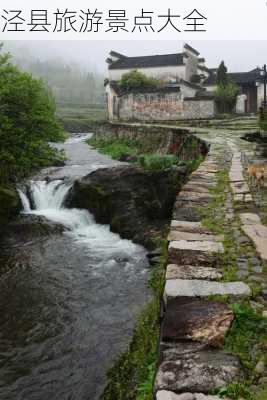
<point>185,91</point>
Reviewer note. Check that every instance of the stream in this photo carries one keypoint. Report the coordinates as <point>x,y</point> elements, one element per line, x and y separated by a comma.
<point>68,313</point>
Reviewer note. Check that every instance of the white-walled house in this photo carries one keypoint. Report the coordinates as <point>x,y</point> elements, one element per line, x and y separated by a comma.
<point>186,88</point>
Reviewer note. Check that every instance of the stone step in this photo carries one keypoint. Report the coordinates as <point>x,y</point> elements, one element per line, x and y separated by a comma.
<point>190,227</point>
<point>239,188</point>
<point>167,395</point>
<point>197,371</point>
<point>183,252</point>
<point>194,196</point>
<point>194,187</point>
<point>176,235</point>
<point>200,288</point>
<point>196,320</point>
<point>174,271</point>
<point>258,234</point>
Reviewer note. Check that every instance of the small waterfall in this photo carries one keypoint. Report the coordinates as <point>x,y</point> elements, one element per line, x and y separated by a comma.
<point>25,201</point>
<point>48,199</point>
<point>49,195</point>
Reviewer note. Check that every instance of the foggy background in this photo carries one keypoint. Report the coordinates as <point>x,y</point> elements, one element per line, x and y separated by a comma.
<point>75,70</point>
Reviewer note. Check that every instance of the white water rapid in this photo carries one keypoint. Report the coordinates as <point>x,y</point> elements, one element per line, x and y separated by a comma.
<point>48,200</point>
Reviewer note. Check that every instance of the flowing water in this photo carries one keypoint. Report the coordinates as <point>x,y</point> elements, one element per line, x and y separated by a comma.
<point>69,312</point>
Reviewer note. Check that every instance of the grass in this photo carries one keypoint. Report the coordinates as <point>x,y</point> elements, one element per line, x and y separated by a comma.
<point>249,328</point>
<point>132,376</point>
<point>118,147</point>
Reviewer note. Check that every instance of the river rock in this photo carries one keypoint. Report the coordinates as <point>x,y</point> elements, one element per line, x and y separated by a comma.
<point>27,228</point>
<point>197,320</point>
<point>199,372</point>
<point>134,201</point>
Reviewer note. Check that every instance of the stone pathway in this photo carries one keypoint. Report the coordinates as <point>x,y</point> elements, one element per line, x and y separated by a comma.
<point>192,362</point>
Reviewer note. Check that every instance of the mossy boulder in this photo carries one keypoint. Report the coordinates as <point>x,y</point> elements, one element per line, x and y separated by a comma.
<point>135,202</point>
<point>10,205</point>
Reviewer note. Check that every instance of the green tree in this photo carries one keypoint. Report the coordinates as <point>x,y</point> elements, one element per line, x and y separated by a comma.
<point>27,123</point>
<point>222,78</point>
<point>226,90</point>
<point>136,80</point>
<point>226,97</point>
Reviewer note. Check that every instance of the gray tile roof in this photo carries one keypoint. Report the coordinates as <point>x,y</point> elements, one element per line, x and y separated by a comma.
<point>240,78</point>
<point>148,61</point>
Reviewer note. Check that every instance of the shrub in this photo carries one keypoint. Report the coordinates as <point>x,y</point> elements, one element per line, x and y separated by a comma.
<point>137,80</point>
<point>226,96</point>
<point>157,161</point>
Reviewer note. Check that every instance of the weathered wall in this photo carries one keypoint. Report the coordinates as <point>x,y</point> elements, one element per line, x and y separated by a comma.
<point>162,140</point>
<point>151,106</point>
<point>164,106</point>
<point>196,109</point>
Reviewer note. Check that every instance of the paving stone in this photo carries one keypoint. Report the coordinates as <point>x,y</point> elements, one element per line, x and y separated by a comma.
<point>197,320</point>
<point>185,224</point>
<point>200,372</point>
<point>200,288</point>
<point>176,235</point>
<point>248,198</point>
<point>183,252</point>
<point>236,176</point>
<point>249,219</point>
<point>195,188</point>
<point>192,272</point>
<point>167,395</point>
<point>187,212</point>
<point>258,234</point>
<point>194,196</point>
<point>239,188</point>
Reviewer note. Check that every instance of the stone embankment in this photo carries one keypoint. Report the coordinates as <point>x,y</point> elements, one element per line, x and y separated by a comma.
<point>196,318</point>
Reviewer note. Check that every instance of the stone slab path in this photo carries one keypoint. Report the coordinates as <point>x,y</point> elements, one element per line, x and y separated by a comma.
<point>195,321</point>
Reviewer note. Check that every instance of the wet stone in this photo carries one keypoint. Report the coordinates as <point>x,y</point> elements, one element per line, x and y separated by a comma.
<point>167,395</point>
<point>249,219</point>
<point>258,234</point>
<point>199,372</point>
<point>184,252</point>
<point>187,212</point>
<point>197,320</point>
<point>199,288</point>
<point>176,235</point>
<point>192,272</point>
<point>191,227</point>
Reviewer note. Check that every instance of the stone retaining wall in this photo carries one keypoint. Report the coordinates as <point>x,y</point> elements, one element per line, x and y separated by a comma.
<point>163,140</point>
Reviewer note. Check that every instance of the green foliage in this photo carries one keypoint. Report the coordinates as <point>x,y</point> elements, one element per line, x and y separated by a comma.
<point>27,123</point>
<point>137,80</point>
<point>236,391</point>
<point>222,78</point>
<point>115,148</point>
<point>249,328</point>
<point>157,161</point>
<point>226,96</point>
